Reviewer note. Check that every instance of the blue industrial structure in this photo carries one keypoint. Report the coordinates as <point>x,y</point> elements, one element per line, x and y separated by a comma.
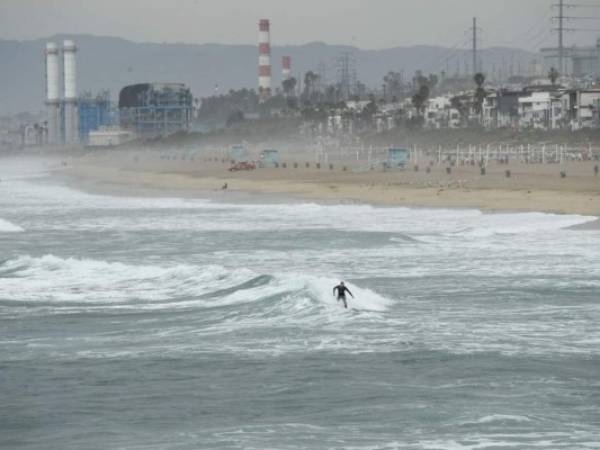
<point>94,112</point>
<point>155,109</point>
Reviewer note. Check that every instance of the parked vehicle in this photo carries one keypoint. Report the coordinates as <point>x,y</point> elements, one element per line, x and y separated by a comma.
<point>245,165</point>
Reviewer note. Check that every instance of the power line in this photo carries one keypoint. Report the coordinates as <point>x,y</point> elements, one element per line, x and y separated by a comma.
<point>450,53</point>
<point>582,5</point>
<point>562,18</point>
<point>533,34</point>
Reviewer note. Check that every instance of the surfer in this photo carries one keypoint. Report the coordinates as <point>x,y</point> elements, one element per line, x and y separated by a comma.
<point>341,293</point>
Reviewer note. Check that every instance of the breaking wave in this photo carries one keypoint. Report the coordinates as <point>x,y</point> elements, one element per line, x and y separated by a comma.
<point>67,281</point>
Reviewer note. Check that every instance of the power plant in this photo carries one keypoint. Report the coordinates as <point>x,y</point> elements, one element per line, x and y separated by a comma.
<point>62,114</point>
<point>145,110</point>
<point>264,59</point>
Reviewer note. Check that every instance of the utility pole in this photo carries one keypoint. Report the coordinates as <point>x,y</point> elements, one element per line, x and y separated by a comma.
<point>561,29</point>
<point>474,45</point>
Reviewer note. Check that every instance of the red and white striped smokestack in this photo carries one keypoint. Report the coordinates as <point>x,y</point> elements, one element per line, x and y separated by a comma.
<point>286,62</point>
<point>264,58</point>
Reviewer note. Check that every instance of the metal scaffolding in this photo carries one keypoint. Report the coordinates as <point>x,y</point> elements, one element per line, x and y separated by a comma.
<point>155,109</point>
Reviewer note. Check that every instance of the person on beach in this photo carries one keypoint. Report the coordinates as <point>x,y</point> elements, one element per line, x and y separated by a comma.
<point>341,293</point>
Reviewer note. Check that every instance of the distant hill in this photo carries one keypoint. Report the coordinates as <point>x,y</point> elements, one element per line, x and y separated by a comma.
<point>111,63</point>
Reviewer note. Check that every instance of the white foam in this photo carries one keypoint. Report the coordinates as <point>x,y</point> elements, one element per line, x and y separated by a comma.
<point>51,278</point>
<point>204,215</point>
<point>503,418</point>
<point>364,299</point>
<point>9,227</point>
<point>64,280</point>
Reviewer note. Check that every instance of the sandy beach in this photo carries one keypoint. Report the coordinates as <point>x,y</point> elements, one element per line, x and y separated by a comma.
<point>530,187</point>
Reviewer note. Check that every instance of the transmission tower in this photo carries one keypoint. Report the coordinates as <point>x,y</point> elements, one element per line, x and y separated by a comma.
<point>561,27</point>
<point>346,75</point>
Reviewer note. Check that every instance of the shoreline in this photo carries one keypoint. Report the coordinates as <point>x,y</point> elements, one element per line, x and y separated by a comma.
<point>102,186</point>
<point>531,188</point>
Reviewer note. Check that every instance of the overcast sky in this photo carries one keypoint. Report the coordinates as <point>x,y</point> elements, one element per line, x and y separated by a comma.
<point>370,24</point>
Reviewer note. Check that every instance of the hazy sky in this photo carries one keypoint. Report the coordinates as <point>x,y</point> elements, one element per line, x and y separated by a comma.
<point>364,23</point>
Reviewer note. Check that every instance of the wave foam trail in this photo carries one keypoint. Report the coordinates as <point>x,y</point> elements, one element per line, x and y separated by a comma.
<point>364,299</point>
<point>114,284</point>
<point>519,223</point>
<point>9,227</point>
<point>503,418</point>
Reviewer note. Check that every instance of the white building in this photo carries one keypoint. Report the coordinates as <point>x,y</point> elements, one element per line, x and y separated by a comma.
<point>109,137</point>
<point>439,113</point>
<point>581,106</point>
<point>541,110</point>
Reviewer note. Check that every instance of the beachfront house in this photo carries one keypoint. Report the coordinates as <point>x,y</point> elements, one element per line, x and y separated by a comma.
<point>439,113</point>
<point>541,110</point>
<point>581,106</point>
<point>501,109</point>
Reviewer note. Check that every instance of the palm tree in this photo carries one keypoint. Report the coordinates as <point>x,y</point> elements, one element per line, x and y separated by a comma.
<point>419,99</point>
<point>289,85</point>
<point>310,81</point>
<point>392,84</point>
<point>479,79</point>
<point>553,75</point>
<point>480,93</point>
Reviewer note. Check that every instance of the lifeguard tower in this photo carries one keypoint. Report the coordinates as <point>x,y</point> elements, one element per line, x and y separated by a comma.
<point>238,153</point>
<point>269,158</point>
<point>397,158</point>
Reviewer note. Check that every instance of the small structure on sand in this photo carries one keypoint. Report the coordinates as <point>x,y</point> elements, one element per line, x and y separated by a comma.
<point>238,153</point>
<point>269,158</point>
<point>397,158</point>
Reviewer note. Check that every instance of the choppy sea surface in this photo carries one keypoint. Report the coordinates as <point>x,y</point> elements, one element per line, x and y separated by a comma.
<point>166,323</point>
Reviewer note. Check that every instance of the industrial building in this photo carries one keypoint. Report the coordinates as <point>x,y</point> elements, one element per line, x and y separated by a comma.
<point>94,113</point>
<point>70,119</point>
<point>155,109</point>
<point>109,137</point>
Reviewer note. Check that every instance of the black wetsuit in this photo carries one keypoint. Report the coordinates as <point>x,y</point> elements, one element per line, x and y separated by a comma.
<point>342,294</point>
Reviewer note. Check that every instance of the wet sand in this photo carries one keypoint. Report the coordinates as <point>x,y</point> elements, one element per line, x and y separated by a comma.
<point>531,187</point>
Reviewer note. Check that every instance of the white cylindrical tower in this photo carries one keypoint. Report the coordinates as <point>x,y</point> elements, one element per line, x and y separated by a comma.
<point>70,86</point>
<point>70,70</point>
<point>264,58</point>
<point>52,93</point>
<point>286,64</point>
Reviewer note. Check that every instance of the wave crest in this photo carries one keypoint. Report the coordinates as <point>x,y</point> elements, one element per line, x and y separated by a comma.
<point>64,281</point>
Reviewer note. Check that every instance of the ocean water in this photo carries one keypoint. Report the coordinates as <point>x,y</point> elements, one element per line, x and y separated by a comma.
<point>166,323</point>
